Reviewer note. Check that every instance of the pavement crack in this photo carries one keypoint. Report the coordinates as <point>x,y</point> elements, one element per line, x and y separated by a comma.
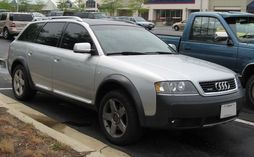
<point>103,148</point>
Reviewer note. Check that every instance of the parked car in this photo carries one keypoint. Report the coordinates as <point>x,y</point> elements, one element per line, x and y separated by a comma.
<point>223,38</point>
<point>12,23</point>
<point>55,13</point>
<point>91,15</point>
<point>138,21</point>
<point>179,25</point>
<point>38,16</point>
<point>133,80</point>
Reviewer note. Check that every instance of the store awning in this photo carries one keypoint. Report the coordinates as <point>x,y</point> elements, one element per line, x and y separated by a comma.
<point>250,7</point>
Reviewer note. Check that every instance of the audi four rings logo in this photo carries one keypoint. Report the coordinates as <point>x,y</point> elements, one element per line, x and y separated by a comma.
<point>221,86</point>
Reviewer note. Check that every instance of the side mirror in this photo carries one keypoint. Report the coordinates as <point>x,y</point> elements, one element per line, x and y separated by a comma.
<point>173,47</point>
<point>221,36</point>
<point>230,42</point>
<point>82,48</point>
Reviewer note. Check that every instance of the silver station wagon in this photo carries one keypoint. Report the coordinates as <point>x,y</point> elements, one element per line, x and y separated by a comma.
<point>132,78</point>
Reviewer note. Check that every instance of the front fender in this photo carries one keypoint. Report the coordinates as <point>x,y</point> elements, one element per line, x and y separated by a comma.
<point>129,87</point>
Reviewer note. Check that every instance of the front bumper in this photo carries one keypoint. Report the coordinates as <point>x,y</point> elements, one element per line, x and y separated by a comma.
<point>192,111</point>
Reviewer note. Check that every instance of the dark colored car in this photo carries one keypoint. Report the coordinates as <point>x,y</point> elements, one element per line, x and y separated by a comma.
<point>91,15</point>
<point>138,20</point>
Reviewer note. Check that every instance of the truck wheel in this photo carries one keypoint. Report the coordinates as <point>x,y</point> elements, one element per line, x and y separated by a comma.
<point>250,91</point>
<point>20,84</point>
<point>118,118</point>
<point>176,28</point>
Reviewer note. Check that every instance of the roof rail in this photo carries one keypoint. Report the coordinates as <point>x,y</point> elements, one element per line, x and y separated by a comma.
<point>65,17</point>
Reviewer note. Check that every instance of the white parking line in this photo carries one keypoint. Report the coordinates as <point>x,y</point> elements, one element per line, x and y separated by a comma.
<point>2,89</point>
<point>244,122</point>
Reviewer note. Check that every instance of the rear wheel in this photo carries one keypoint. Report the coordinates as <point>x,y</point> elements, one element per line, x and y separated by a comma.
<point>118,118</point>
<point>20,84</point>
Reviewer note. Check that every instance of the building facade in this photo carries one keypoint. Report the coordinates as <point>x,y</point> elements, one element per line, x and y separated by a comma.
<point>170,11</point>
<point>229,5</point>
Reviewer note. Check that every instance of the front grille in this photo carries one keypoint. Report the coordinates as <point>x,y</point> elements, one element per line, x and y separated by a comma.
<point>218,86</point>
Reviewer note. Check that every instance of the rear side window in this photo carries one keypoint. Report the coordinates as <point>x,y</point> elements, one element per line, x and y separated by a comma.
<point>75,33</point>
<point>21,17</point>
<point>3,17</point>
<point>31,32</point>
<point>50,33</point>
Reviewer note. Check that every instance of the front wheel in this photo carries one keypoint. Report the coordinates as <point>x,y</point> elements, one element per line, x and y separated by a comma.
<point>250,91</point>
<point>118,118</point>
<point>176,28</point>
<point>20,84</point>
<point>6,33</point>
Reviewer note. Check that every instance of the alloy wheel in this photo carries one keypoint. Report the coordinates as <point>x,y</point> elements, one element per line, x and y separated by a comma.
<point>19,82</point>
<point>115,118</point>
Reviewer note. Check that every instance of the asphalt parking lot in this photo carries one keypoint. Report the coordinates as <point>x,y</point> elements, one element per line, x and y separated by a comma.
<point>232,139</point>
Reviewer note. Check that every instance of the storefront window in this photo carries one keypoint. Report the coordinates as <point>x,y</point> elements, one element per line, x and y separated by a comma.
<point>168,16</point>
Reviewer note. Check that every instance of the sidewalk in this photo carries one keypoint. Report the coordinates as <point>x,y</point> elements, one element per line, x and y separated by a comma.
<point>61,133</point>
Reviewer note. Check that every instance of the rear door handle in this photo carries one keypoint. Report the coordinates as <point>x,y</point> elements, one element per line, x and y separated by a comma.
<point>29,54</point>
<point>56,60</point>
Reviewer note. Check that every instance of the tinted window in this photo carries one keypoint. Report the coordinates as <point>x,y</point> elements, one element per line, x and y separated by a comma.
<point>75,33</point>
<point>81,15</point>
<point>90,16</point>
<point>21,17</point>
<point>50,33</point>
<point>31,32</point>
<point>209,30</point>
<point>3,17</point>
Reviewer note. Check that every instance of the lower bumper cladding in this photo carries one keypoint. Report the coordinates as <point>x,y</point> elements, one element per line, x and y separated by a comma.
<point>193,111</point>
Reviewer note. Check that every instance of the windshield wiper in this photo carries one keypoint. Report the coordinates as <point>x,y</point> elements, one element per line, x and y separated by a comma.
<point>160,52</point>
<point>126,53</point>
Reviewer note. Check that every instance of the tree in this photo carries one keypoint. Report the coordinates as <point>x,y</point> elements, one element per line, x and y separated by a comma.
<point>24,5</point>
<point>80,4</point>
<point>111,6</point>
<point>4,4</point>
<point>137,5</point>
<point>37,6</point>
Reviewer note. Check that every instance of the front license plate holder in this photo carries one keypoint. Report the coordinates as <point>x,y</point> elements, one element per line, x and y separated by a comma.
<point>228,110</point>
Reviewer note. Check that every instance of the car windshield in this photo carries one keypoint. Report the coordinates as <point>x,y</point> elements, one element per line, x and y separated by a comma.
<point>21,17</point>
<point>243,28</point>
<point>129,40</point>
<point>139,19</point>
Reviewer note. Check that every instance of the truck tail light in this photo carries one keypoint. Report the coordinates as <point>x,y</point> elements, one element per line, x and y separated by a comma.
<point>13,25</point>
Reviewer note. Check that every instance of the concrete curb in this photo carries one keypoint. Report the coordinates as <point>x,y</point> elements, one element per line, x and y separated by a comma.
<point>77,146</point>
<point>66,135</point>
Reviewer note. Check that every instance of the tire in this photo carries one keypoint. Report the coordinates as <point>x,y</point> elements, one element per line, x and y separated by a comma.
<point>116,111</point>
<point>20,84</point>
<point>250,91</point>
<point>176,28</point>
<point>6,33</point>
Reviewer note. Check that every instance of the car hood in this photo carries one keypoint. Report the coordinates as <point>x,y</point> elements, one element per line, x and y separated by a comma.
<point>172,67</point>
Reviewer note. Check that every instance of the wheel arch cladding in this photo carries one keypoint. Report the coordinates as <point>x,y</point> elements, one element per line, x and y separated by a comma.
<point>121,82</point>
<point>247,73</point>
<point>21,61</point>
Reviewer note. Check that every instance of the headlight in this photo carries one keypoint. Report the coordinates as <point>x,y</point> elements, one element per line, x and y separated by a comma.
<point>175,87</point>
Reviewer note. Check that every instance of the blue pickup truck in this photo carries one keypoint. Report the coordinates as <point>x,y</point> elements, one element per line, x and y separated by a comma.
<point>224,38</point>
